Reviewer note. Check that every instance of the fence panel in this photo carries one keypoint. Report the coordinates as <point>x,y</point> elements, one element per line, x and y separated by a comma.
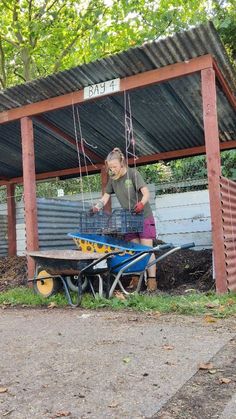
<point>180,217</point>
<point>228,207</point>
<point>56,218</point>
<point>3,231</point>
<point>20,229</point>
<point>184,217</point>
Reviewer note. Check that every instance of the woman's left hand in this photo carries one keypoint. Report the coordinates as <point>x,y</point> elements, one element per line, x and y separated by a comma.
<point>139,207</point>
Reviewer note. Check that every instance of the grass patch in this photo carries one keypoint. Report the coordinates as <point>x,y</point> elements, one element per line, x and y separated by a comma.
<point>210,304</point>
<point>26,297</point>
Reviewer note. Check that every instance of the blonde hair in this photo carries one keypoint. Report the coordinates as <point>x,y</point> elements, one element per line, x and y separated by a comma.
<point>116,154</point>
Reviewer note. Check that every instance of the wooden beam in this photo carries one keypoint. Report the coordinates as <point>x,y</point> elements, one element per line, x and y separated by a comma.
<point>62,173</point>
<point>166,73</point>
<point>228,145</point>
<point>128,83</point>
<point>51,127</point>
<point>214,172</point>
<point>226,89</point>
<point>170,155</point>
<point>152,158</point>
<point>178,154</point>
<point>31,222</point>
<point>11,219</point>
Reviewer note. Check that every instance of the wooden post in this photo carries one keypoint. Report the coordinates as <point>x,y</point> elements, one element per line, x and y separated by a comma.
<point>214,172</point>
<point>104,177</point>
<point>29,183</point>
<point>11,219</point>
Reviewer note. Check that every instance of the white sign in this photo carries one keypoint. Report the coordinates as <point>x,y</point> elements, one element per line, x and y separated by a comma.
<point>60,192</point>
<point>101,89</point>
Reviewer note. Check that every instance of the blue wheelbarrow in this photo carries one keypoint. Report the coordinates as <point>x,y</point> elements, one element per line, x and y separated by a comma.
<point>122,259</point>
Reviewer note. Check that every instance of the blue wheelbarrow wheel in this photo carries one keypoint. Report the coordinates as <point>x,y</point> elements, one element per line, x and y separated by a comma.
<point>47,286</point>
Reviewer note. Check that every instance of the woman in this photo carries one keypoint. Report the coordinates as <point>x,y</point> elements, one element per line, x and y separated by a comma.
<point>132,193</point>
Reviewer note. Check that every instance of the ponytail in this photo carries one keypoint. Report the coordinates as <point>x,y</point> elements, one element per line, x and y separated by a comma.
<point>116,154</point>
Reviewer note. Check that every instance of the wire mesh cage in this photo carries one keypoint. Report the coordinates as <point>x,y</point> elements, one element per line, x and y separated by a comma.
<point>119,221</point>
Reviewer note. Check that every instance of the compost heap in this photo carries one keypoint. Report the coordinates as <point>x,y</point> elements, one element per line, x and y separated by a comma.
<point>13,272</point>
<point>186,270</point>
<point>178,273</point>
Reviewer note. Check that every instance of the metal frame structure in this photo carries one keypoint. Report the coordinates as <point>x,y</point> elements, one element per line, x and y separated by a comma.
<point>207,67</point>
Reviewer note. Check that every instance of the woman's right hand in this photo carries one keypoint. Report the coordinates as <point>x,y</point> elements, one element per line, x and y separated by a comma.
<point>93,210</point>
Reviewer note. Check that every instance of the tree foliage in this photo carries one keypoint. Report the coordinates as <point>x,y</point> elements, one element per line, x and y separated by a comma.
<point>40,37</point>
<point>44,36</point>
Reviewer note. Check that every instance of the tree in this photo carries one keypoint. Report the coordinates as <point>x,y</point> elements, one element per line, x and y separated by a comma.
<point>225,21</point>
<point>40,37</point>
<point>36,37</point>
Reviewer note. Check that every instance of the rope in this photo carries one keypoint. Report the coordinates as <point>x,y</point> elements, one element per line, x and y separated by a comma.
<point>85,156</point>
<point>78,155</point>
<point>130,142</point>
<point>126,148</point>
<point>133,154</point>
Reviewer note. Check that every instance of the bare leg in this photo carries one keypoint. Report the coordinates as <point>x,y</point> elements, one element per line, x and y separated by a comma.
<point>151,282</point>
<point>135,240</point>
<point>148,242</point>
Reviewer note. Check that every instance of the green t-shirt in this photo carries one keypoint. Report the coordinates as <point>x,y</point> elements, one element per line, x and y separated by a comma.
<point>127,189</point>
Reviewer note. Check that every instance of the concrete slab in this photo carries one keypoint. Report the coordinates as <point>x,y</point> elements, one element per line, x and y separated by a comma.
<point>99,364</point>
<point>230,409</point>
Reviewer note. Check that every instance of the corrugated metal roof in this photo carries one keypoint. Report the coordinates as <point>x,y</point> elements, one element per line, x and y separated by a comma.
<point>166,116</point>
<point>155,54</point>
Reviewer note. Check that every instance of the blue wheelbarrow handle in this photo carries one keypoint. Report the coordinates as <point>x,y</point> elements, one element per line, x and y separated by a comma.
<point>144,252</point>
<point>139,256</point>
<point>173,250</point>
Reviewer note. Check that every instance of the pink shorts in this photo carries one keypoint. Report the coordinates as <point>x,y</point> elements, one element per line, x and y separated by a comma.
<point>149,230</point>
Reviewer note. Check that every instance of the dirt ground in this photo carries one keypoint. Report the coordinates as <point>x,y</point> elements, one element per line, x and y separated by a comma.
<point>100,364</point>
<point>186,269</point>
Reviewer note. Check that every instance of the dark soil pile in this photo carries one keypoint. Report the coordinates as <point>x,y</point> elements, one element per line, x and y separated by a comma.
<point>13,272</point>
<point>186,269</point>
<point>179,272</point>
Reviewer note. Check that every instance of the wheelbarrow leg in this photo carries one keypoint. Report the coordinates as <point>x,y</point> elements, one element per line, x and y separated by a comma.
<point>100,285</point>
<point>142,277</point>
<point>108,284</point>
<point>67,292</point>
<point>100,289</point>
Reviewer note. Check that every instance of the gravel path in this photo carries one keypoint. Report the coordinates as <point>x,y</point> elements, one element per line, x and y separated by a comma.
<point>99,364</point>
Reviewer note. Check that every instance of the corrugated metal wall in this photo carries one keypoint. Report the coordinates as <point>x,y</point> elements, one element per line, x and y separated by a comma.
<point>184,217</point>
<point>180,218</point>
<point>56,218</point>
<point>228,205</point>
<point>3,230</point>
<point>20,228</point>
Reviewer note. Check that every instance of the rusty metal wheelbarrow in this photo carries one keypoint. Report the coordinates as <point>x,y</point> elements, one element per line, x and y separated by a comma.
<point>60,269</point>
